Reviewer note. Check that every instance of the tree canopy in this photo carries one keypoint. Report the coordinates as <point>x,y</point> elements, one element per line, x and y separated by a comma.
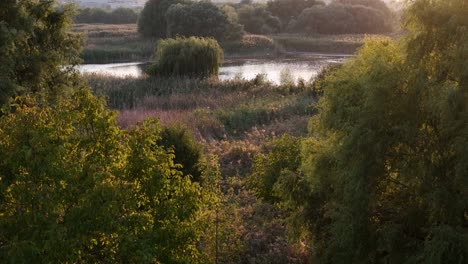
<point>343,17</point>
<point>97,15</point>
<point>201,19</point>
<point>37,50</point>
<point>256,19</point>
<point>152,21</point>
<point>386,165</point>
<point>74,187</point>
<point>289,9</point>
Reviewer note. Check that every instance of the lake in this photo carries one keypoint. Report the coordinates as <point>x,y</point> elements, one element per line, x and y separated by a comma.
<point>275,70</point>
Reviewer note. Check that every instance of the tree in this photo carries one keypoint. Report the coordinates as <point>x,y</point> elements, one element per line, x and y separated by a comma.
<point>258,20</point>
<point>375,4</point>
<point>386,168</point>
<point>75,188</point>
<point>341,19</point>
<point>193,57</point>
<point>236,30</point>
<point>152,21</point>
<point>289,9</point>
<point>37,49</point>
<point>97,15</point>
<point>201,19</point>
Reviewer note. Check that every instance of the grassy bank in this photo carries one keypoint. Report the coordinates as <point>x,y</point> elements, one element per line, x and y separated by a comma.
<point>113,43</point>
<point>121,43</point>
<point>341,44</point>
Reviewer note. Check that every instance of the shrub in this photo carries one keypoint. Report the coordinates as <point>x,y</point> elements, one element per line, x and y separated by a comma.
<point>188,153</point>
<point>194,57</point>
<point>283,155</point>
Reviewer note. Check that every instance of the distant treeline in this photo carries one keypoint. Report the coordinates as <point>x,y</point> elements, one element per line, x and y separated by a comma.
<point>98,15</point>
<point>315,17</point>
<point>170,18</point>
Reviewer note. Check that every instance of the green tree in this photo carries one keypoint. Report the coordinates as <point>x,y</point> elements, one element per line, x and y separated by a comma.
<point>375,4</point>
<point>194,57</point>
<point>75,188</point>
<point>256,19</point>
<point>202,19</point>
<point>187,151</point>
<point>37,50</point>
<point>386,170</point>
<point>97,15</point>
<point>339,18</point>
<point>152,21</point>
<point>289,9</point>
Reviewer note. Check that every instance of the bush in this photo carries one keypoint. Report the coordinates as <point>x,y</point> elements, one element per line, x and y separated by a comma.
<point>194,57</point>
<point>283,155</point>
<point>187,151</point>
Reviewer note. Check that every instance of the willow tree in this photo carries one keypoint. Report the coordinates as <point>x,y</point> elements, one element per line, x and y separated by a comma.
<point>37,48</point>
<point>387,163</point>
<point>193,57</point>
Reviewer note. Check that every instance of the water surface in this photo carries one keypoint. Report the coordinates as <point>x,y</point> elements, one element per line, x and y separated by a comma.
<point>274,70</point>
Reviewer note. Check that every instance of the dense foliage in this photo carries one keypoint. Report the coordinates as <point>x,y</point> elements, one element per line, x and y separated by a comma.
<point>256,19</point>
<point>202,19</point>
<point>188,153</point>
<point>76,188</point>
<point>386,167</point>
<point>289,9</point>
<point>283,157</point>
<point>152,20</point>
<point>195,57</point>
<point>315,17</point>
<point>173,18</point>
<point>97,15</point>
<point>342,17</point>
<point>37,50</point>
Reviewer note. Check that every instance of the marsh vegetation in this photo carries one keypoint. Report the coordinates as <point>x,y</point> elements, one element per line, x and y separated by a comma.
<point>364,163</point>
